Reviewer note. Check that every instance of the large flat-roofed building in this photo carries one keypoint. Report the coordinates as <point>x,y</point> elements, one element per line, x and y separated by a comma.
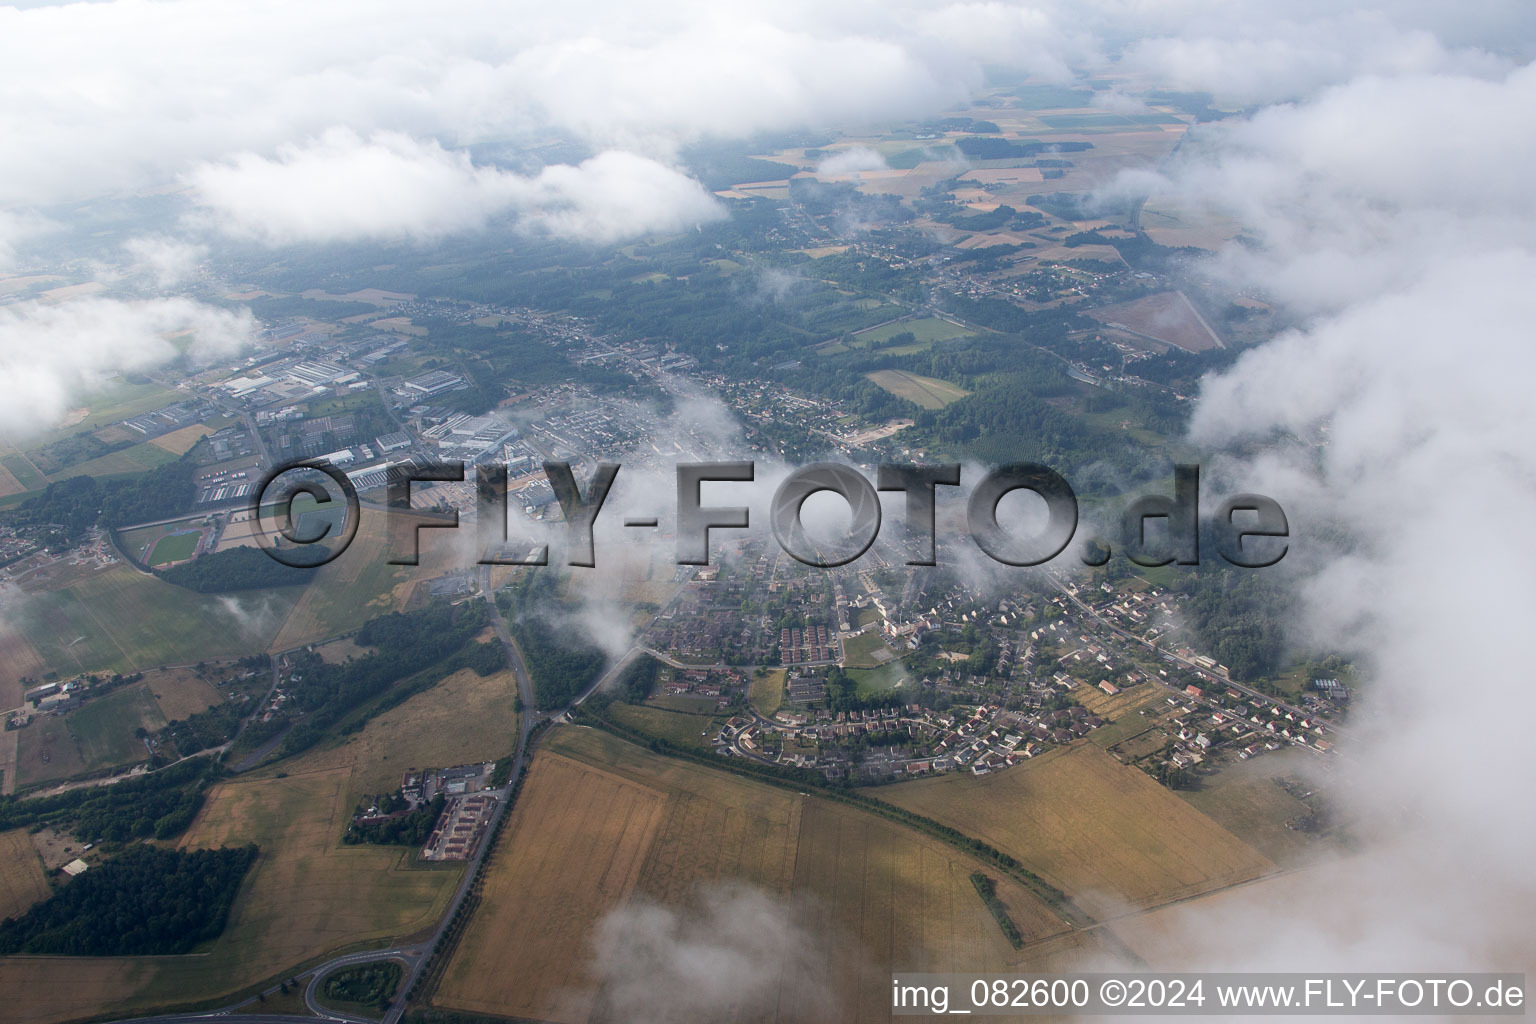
<point>433,382</point>
<point>393,441</point>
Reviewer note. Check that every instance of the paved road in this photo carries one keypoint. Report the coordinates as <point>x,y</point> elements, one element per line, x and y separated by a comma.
<point>415,956</point>
<point>1186,662</point>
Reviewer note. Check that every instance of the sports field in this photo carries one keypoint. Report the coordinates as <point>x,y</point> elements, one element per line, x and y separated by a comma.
<point>22,882</point>
<point>175,547</point>
<point>867,650</point>
<point>603,824</point>
<point>1106,834</point>
<point>927,392</point>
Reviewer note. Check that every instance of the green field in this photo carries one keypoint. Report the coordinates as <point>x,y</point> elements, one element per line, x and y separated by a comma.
<point>122,620</point>
<point>679,727</point>
<point>104,727</point>
<point>766,693</point>
<point>928,330</point>
<point>176,547</point>
<point>867,650</point>
<point>137,459</point>
<point>1106,120</point>
<point>25,473</point>
<point>119,400</point>
<point>882,680</point>
<point>927,392</point>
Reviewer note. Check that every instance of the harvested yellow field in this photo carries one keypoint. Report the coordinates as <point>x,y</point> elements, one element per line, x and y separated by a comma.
<point>179,442</point>
<point>927,392</point>
<point>361,584</point>
<point>22,882</point>
<point>884,898</point>
<point>1105,833</point>
<point>180,693</point>
<point>308,895</point>
<point>9,484</point>
<point>465,718</point>
<point>606,831</point>
<point>42,989</point>
<point>572,852</point>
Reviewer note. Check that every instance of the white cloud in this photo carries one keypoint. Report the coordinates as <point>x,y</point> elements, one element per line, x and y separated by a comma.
<point>851,161</point>
<point>128,94</point>
<point>1117,102</point>
<point>51,356</point>
<point>345,188</point>
<point>724,956</point>
<point>170,261</point>
<point>1408,254</point>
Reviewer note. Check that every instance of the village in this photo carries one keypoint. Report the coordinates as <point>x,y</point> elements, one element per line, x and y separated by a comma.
<point>921,674</point>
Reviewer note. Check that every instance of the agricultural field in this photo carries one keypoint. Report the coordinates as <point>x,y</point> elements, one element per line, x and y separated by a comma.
<point>927,392</point>
<point>464,718</point>
<point>180,693</point>
<point>8,758</point>
<point>679,727</point>
<point>99,734</point>
<point>137,459</point>
<point>307,895</point>
<point>45,751</point>
<point>602,824</point>
<point>20,469</point>
<point>1244,798</point>
<point>122,620</point>
<point>571,852</point>
<point>766,693</point>
<point>360,584</point>
<point>182,440</point>
<point>925,330</point>
<point>9,484</point>
<point>104,727</point>
<point>22,882</point>
<point>1187,933</point>
<point>1106,834</point>
<point>1167,317</point>
<point>118,400</point>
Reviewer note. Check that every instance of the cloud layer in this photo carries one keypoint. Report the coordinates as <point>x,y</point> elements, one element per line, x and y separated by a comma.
<point>51,355</point>
<point>1407,251</point>
<point>341,187</point>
